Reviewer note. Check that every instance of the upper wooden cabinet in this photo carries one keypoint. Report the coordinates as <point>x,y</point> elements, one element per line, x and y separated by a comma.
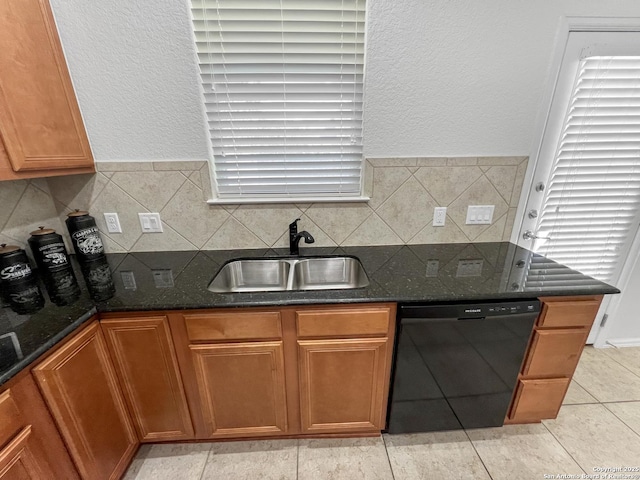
<point>145,361</point>
<point>80,387</point>
<point>41,127</point>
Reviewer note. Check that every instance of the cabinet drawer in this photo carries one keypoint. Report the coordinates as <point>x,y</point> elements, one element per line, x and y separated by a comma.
<point>568,314</point>
<point>555,353</point>
<point>208,327</point>
<point>538,399</point>
<point>336,322</point>
<point>11,421</point>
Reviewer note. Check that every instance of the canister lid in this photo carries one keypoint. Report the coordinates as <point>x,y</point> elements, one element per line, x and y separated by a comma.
<point>4,248</point>
<point>43,231</point>
<point>77,213</point>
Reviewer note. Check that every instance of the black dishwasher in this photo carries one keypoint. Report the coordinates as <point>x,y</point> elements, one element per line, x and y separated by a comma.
<point>456,365</point>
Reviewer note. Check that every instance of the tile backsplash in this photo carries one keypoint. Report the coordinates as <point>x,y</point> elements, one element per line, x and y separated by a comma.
<point>403,193</point>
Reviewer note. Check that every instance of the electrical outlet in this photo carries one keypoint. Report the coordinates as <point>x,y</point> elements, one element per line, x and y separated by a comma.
<point>439,216</point>
<point>150,222</point>
<point>113,223</point>
<point>480,214</point>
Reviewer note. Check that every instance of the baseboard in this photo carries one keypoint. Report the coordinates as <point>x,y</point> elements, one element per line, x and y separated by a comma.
<point>624,342</point>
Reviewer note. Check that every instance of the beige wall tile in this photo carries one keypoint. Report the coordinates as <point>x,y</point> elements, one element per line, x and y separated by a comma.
<point>305,223</point>
<point>10,193</point>
<point>169,239</point>
<point>480,193</point>
<point>502,178</point>
<point>518,183</point>
<point>445,184</point>
<point>462,161</point>
<point>408,210</point>
<point>501,160</point>
<point>196,178</point>
<point>268,222</point>
<point>338,220</point>
<point>450,233</point>
<point>373,231</point>
<point>77,191</point>
<point>186,165</point>
<point>393,162</point>
<point>191,217</point>
<point>233,235</point>
<point>431,161</point>
<point>123,166</point>
<point>386,180</point>
<point>494,232</point>
<point>367,179</point>
<point>151,189</point>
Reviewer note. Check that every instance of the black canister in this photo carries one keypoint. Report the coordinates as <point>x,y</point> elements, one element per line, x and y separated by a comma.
<point>49,251</point>
<point>97,276</point>
<point>85,236</point>
<point>62,287</point>
<point>18,282</point>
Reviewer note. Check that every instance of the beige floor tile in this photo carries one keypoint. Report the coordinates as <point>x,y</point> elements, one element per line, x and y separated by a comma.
<point>595,437</point>
<point>522,451</point>
<point>343,459</point>
<point>263,459</point>
<point>576,395</point>
<point>628,357</point>
<point>605,378</point>
<point>628,412</point>
<point>137,462</point>
<point>180,461</point>
<point>447,455</point>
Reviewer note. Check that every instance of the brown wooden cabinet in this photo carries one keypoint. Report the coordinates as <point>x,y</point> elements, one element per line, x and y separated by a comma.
<point>145,361</point>
<point>79,384</point>
<point>41,129</point>
<point>30,446</point>
<point>343,375</point>
<point>255,372</point>
<point>555,347</point>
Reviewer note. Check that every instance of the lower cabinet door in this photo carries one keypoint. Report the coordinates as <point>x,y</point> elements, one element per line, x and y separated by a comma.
<point>80,387</point>
<point>18,461</point>
<point>242,388</point>
<point>342,385</point>
<point>145,361</point>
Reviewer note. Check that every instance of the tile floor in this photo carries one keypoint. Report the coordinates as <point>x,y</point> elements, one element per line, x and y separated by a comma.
<point>599,426</point>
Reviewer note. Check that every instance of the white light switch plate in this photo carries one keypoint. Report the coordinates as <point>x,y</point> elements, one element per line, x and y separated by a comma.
<point>113,223</point>
<point>480,214</point>
<point>150,222</point>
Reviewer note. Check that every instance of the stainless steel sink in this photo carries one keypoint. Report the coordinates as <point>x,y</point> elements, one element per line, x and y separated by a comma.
<point>282,274</point>
<point>328,273</point>
<point>252,275</point>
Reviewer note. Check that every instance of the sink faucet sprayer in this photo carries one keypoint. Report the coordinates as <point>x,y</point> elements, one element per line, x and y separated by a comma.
<point>295,236</point>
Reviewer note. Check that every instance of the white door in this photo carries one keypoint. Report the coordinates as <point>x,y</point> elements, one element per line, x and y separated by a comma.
<point>583,208</point>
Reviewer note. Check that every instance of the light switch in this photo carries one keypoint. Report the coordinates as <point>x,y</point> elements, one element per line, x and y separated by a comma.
<point>480,214</point>
<point>150,222</point>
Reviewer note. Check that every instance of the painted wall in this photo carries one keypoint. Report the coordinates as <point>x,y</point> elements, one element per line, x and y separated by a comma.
<point>454,78</point>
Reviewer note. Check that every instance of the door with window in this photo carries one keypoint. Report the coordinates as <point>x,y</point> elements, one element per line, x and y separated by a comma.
<point>583,208</point>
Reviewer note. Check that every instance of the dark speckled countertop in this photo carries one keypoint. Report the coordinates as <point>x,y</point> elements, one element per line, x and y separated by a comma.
<point>404,274</point>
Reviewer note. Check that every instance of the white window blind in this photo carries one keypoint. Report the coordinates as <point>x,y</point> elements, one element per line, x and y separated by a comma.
<point>591,205</point>
<point>283,95</point>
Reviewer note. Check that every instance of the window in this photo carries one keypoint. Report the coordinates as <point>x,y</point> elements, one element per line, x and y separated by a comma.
<point>282,83</point>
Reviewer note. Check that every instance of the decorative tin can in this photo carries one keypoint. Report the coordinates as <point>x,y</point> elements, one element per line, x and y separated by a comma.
<point>85,236</point>
<point>49,251</point>
<point>62,287</point>
<point>18,282</point>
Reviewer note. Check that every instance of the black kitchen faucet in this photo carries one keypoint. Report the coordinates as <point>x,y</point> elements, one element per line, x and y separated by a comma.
<point>295,236</point>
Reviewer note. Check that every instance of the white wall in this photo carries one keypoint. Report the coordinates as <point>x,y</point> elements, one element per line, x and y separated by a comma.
<point>456,77</point>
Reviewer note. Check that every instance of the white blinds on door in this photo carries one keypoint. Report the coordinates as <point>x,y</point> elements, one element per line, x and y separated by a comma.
<point>592,199</point>
<point>283,94</point>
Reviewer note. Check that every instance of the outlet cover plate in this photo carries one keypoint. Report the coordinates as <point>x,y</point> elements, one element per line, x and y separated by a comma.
<point>150,222</point>
<point>113,223</point>
<point>439,216</point>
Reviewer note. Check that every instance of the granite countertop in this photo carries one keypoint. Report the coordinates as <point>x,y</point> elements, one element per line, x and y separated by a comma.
<point>398,273</point>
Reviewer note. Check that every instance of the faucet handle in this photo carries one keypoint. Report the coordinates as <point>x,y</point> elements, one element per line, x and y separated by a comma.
<point>294,225</point>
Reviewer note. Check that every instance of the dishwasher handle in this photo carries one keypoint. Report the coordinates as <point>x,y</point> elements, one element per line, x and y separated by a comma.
<point>414,321</point>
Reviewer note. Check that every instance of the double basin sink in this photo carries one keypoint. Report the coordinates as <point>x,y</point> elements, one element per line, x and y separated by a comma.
<point>285,274</point>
